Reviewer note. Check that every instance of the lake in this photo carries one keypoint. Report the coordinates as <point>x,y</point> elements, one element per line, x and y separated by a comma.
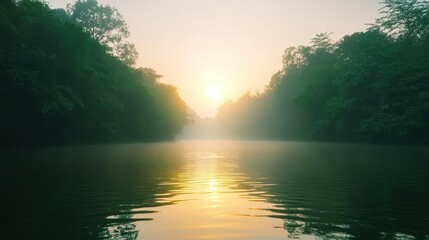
<point>216,190</point>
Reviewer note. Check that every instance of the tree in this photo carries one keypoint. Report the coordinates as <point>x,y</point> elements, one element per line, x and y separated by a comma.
<point>106,25</point>
<point>74,92</point>
<point>322,41</point>
<point>405,18</point>
<point>370,86</point>
<point>294,57</point>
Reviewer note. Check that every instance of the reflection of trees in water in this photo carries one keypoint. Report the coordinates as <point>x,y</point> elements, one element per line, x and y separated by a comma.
<point>96,192</point>
<point>294,228</point>
<point>125,229</point>
<point>345,191</point>
<point>328,231</point>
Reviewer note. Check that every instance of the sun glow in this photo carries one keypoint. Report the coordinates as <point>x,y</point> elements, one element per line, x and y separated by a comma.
<point>214,93</point>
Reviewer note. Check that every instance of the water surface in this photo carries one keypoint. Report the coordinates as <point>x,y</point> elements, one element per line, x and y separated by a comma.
<point>216,190</point>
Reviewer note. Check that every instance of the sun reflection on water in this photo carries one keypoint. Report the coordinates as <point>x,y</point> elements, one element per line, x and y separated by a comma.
<point>212,203</point>
<point>212,185</point>
<point>221,190</point>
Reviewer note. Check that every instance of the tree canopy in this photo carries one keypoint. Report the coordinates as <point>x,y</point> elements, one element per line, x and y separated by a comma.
<point>58,84</point>
<point>106,25</point>
<point>370,86</point>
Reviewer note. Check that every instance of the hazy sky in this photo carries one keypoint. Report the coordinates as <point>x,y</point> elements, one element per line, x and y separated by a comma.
<point>222,48</point>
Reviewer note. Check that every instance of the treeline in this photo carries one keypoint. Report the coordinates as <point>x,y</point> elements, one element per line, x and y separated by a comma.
<point>370,86</point>
<point>58,84</point>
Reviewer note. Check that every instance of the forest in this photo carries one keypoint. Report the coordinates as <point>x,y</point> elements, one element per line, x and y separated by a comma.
<point>67,76</point>
<point>370,86</point>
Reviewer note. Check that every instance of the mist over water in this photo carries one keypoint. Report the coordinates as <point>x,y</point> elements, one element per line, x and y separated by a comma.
<point>70,78</point>
<point>217,190</point>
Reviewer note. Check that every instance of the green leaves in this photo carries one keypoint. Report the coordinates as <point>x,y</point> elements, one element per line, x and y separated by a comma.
<point>369,86</point>
<point>105,25</point>
<point>58,85</point>
<point>405,18</point>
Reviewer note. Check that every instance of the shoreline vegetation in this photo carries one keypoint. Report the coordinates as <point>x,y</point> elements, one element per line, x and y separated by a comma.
<point>368,87</point>
<point>66,77</point>
<point>59,84</point>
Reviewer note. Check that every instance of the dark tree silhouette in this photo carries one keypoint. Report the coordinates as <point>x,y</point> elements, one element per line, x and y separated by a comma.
<point>106,25</point>
<point>74,92</point>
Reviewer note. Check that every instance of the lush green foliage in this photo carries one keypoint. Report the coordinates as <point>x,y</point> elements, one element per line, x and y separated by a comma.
<point>370,86</point>
<point>59,85</point>
<point>106,25</point>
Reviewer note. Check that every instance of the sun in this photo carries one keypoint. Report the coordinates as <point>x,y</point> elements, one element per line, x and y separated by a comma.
<point>214,93</point>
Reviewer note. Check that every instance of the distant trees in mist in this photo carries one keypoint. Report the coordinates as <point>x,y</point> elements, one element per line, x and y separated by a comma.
<point>370,86</point>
